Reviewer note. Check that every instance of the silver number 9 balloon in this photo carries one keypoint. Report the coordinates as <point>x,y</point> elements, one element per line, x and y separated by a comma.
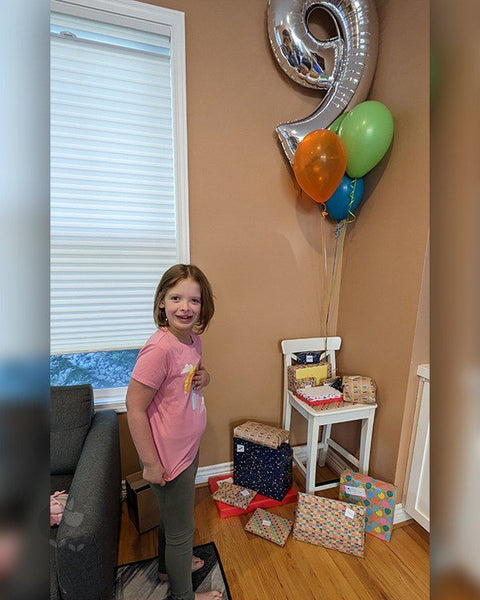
<point>299,54</point>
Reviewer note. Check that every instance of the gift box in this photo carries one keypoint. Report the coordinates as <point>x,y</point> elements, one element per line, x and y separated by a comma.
<point>305,358</point>
<point>267,525</point>
<point>235,495</point>
<point>378,498</point>
<point>318,372</point>
<point>259,433</point>
<point>335,382</point>
<point>359,389</point>
<point>322,394</point>
<point>330,523</point>
<point>327,405</point>
<point>298,384</point>
<point>259,501</point>
<point>268,471</point>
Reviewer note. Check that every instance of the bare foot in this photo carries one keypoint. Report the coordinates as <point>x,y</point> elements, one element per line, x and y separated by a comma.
<point>214,595</point>
<point>197,563</point>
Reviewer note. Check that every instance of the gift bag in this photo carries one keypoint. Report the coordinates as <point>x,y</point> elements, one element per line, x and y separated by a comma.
<point>378,498</point>
<point>272,527</point>
<point>359,390</point>
<point>235,495</point>
<point>330,523</point>
<point>273,437</point>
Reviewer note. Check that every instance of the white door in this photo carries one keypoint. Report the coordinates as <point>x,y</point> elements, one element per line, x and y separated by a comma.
<point>418,490</point>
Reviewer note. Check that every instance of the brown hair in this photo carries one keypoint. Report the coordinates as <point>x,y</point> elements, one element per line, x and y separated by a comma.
<point>170,278</point>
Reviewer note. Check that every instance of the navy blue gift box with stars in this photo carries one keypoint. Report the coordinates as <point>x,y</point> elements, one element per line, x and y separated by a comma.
<point>268,471</point>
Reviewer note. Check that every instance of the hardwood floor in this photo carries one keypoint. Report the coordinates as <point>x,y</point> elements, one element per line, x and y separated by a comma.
<point>260,570</point>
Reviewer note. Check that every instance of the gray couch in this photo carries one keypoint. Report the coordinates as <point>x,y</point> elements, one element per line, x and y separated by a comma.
<point>85,461</point>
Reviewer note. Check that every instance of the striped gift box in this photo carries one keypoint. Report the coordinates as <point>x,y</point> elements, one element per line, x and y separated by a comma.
<point>359,389</point>
<point>266,435</point>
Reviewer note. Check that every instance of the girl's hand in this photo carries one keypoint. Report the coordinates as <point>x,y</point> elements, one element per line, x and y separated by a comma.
<point>201,378</point>
<point>154,473</point>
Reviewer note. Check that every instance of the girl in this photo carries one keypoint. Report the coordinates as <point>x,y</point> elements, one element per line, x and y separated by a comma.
<point>167,417</point>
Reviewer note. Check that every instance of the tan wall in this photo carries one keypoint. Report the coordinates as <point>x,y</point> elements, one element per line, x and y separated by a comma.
<point>420,355</point>
<point>259,242</point>
<point>385,248</point>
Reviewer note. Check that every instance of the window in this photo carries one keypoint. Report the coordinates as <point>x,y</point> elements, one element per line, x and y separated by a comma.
<point>119,207</point>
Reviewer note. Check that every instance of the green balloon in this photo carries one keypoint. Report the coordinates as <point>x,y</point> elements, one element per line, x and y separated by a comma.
<point>366,133</point>
<point>335,126</point>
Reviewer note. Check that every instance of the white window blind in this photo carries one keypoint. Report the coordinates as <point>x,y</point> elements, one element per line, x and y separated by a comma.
<point>114,203</point>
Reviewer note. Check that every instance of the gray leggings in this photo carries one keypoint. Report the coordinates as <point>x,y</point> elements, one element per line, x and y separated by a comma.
<point>175,531</point>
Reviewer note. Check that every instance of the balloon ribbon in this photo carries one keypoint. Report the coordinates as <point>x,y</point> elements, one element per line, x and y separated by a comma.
<point>340,233</point>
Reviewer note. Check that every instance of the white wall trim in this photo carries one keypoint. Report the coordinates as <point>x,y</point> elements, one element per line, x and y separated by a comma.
<point>400,514</point>
<point>204,473</point>
<point>334,462</point>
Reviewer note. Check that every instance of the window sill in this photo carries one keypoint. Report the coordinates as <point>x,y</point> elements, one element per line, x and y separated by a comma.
<point>111,399</point>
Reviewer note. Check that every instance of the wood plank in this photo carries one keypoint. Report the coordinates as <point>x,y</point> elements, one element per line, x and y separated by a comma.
<point>256,568</point>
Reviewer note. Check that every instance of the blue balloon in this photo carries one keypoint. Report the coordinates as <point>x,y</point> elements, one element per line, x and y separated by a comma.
<point>338,205</point>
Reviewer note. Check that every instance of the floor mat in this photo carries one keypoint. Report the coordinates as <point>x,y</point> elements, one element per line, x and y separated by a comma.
<point>139,580</point>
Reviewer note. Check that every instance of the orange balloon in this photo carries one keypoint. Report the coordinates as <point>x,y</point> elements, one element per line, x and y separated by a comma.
<point>319,164</point>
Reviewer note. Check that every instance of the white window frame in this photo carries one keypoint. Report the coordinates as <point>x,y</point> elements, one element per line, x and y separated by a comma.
<point>120,12</point>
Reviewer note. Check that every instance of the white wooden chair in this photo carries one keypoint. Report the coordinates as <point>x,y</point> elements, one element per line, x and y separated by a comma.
<point>317,452</point>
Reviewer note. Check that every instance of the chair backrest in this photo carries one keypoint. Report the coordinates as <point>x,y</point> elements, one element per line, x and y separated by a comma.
<point>327,346</point>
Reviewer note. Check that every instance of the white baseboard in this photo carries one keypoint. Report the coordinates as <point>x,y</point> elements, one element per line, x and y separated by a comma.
<point>334,462</point>
<point>204,473</point>
<point>400,514</point>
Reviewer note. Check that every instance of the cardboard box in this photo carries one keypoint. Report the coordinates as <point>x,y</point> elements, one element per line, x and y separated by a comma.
<point>142,503</point>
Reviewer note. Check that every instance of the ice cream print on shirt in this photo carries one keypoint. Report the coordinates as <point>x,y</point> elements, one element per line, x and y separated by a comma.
<point>189,371</point>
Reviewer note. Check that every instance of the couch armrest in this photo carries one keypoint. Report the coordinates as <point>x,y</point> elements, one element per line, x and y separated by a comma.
<point>87,536</point>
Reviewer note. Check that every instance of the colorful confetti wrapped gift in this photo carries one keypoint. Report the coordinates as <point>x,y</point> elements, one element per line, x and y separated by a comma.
<point>268,471</point>
<point>378,498</point>
<point>273,437</point>
<point>330,523</point>
<point>235,495</point>
<point>272,527</point>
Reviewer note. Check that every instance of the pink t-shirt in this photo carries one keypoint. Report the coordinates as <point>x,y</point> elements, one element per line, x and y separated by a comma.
<point>177,413</point>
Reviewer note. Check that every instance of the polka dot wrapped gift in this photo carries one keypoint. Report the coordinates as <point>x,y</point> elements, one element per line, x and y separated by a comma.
<point>378,498</point>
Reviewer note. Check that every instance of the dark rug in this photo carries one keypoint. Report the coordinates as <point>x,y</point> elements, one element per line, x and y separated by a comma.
<point>139,580</point>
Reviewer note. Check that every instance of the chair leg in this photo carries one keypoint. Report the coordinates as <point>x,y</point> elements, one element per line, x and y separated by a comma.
<point>287,414</point>
<point>326,429</point>
<point>312,446</point>
<point>365,444</point>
